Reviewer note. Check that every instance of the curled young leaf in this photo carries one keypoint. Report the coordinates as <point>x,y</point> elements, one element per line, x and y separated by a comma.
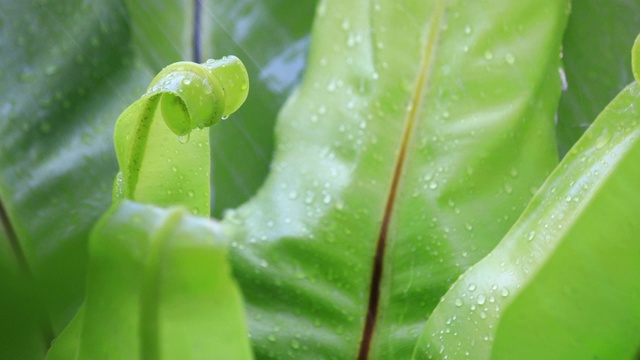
<point>164,155</point>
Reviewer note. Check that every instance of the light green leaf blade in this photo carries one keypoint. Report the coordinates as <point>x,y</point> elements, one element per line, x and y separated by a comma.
<point>309,237</point>
<point>161,145</point>
<point>561,284</point>
<point>272,39</point>
<point>159,287</point>
<point>596,62</point>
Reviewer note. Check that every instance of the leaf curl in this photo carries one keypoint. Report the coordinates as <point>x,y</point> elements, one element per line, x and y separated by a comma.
<point>157,168</point>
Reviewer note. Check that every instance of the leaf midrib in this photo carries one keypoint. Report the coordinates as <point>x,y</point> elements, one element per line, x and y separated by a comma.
<point>46,327</point>
<point>416,99</point>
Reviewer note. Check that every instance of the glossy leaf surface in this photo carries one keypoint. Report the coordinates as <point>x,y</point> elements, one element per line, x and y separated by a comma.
<point>561,284</point>
<point>272,40</point>
<point>69,68</point>
<point>379,146</point>
<point>160,141</point>
<point>592,81</point>
<point>67,73</point>
<point>159,287</point>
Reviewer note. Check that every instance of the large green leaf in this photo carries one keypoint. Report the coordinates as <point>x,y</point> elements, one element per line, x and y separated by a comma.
<point>563,283</point>
<point>420,128</point>
<point>23,335</point>
<point>596,62</point>
<point>69,68</point>
<point>67,74</point>
<point>159,287</point>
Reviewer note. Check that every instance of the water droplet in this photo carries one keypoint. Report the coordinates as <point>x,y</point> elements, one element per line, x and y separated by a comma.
<point>186,81</point>
<point>472,287</point>
<point>293,195</point>
<point>488,55</point>
<point>184,139</point>
<point>433,185</point>
<point>458,302</point>
<point>510,58</point>
<point>531,235</point>
<point>271,338</point>
<point>603,139</point>
<point>508,188</point>
<point>467,29</point>
<point>190,193</point>
<point>481,299</point>
<point>174,169</point>
<point>295,345</point>
<point>504,292</point>
<point>563,79</point>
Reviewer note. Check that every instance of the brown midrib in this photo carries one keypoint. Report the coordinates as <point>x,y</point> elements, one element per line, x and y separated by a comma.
<point>378,261</point>
<point>46,327</point>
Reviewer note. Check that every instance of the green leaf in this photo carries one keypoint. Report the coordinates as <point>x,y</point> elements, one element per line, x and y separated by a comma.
<point>177,30</point>
<point>67,73</point>
<point>271,37</point>
<point>163,31</point>
<point>23,334</point>
<point>69,68</point>
<point>596,62</point>
<point>158,287</point>
<point>183,99</point>
<point>430,156</point>
<point>560,285</point>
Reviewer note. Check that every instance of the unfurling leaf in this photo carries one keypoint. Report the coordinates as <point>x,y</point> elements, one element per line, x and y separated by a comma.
<point>164,155</point>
